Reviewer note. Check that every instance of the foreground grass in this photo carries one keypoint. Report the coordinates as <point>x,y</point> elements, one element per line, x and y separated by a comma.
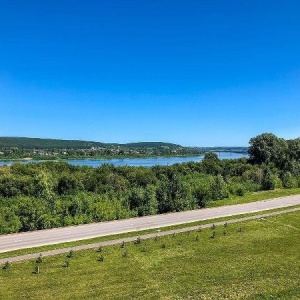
<point>250,260</point>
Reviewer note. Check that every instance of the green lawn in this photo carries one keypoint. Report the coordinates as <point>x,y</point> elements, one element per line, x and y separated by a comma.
<point>253,260</point>
<point>256,196</point>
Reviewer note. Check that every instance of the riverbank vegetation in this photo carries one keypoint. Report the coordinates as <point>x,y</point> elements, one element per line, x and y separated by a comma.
<point>256,259</point>
<point>52,194</point>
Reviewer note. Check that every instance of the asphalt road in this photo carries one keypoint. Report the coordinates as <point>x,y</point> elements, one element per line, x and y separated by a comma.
<point>67,234</point>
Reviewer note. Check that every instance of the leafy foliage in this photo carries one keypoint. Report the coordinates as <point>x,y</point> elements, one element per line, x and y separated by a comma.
<point>55,194</point>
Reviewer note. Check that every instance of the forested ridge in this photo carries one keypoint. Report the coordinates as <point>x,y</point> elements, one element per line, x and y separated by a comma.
<point>31,143</point>
<point>53,194</point>
<point>23,147</point>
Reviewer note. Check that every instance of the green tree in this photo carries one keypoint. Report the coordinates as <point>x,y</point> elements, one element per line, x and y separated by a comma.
<point>269,180</point>
<point>219,188</point>
<point>9,221</point>
<point>294,149</point>
<point>201,188</point>
<point>173,195</point>
<point>268,148</point>
<point>43,185</point>
<point>288,180</point>
<point>211,164</point>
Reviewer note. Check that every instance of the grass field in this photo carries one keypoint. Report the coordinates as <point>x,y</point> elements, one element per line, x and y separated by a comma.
<point>255,196</point>
<point>250,260</point>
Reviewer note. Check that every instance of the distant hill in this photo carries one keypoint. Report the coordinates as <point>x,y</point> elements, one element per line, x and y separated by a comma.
<point>143,145</point>
<point>38,143</point>
<point>223,149</point>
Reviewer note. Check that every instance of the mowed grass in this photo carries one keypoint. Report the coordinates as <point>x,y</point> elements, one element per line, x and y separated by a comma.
<point>249,260</point>
<point>255,196</point>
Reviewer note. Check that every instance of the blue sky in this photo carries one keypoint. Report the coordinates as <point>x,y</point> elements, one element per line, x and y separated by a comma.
<point>197,73</point>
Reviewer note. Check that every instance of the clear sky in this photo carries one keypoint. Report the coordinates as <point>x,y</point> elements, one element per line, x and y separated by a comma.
<point>197,73</point>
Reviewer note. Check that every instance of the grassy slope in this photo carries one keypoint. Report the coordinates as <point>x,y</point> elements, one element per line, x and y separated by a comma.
<point>252,197</point>
<point>261,262</point>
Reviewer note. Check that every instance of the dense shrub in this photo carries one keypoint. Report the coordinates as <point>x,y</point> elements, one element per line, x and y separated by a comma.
<point>54,194</point>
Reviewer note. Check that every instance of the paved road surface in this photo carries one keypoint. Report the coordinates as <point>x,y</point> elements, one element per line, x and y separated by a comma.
<point>59,235</point>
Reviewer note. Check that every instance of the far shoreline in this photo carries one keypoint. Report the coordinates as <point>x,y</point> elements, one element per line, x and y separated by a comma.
<point>114,157</point>
<point>99,157</point>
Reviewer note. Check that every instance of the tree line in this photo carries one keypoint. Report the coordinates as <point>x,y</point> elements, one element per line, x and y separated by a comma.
<point>18,148</point>
<point>53,194</point>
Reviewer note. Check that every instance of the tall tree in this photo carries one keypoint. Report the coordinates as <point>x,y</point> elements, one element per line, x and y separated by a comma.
<point>268,148</point>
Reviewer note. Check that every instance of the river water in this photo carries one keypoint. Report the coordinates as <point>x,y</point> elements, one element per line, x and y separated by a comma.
<point>145,162</point>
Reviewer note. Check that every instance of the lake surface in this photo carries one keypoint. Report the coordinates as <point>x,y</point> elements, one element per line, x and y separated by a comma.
<point>145,162</point>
